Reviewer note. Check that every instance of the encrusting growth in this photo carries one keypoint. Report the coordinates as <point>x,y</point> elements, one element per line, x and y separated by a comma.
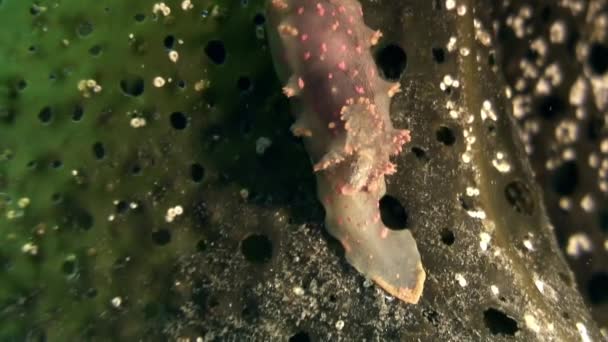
<point>321,49</point>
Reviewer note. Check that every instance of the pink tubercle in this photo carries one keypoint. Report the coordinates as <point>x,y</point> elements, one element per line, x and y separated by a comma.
<point>342,66</point>
<point>300,10</point>
<point>360,90</point>
<point>300,83</point>
<point>323,47</point>
<point>304,37</point>
<point>320,9</point>
<point>306,55</point>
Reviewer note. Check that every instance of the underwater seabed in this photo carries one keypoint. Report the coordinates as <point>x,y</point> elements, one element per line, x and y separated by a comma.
<point>151,188</point>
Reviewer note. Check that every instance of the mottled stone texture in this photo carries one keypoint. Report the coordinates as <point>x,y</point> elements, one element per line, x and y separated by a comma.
<point>152,196</point>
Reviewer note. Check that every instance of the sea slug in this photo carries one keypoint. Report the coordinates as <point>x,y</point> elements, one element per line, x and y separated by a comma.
<point>321,49</point>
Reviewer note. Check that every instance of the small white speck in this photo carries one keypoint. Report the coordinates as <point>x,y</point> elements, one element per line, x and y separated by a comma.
<point>578,244</point>
<point>298,291</point>
<point>471,191</point>
<point>484,242</point>
<point>29,248</point>
<point>173,56</point>
<point>540,285</point>
<point>262,144</point>
<point>162,8</point>
<point>187,5</point>
<point>478,214</point>
<point>116,302</point>
<point>582,330</point>
<point>528,245</point>
<point>450,4</point>
<point>461,281</point>
<point>531,323</point>
<point>588,203</point>
<point>451,46</point>
<point>494,290</point>
<point>340,324</point>
<point>461,10</point>
<point>158,81</point>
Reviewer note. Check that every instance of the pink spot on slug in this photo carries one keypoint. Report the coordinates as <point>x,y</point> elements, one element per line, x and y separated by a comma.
<point>300,10</point>
<point>300,83</point>
<point>324,47</point>
<point>330,76</point>
<point>306,55</point>
<point>304,37</point>
<point>360,90</point>
<point>320,9</point>
<point>384,232</point>
<point>342,66</point>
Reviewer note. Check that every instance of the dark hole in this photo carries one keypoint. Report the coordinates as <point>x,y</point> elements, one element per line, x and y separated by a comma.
<point>201,245</point>
<point>545,14</point>
<point>301,336</point>
<point>78,113</point>
<point>392,213</point>
<point>392,61</point>
<point>95,50</point>
<point>197,172</point>
<point>21,85</point>
<point>532,55</point>
<point>69,267</point>
<point>565,178</point>
<point>420,153</point>
<point>169,42</point>
<point>467,203</point>
<point>491,60</point>
<point>332,298</point>
<point>179,120</point>
<point>32,49</point>
<point>499,323</point>
<point>91,293</point>
<point>181,84</point>
<point>446,136</point>
<point>121,207</point>
<point>139,17</point>
<point>56,198</point>
<point>135,170</point>
<point>132,85</point>
<point>99,151</point>
<point>550,106</point>
<point>215,51</point>
<point>46,115</point>
<point>259,19</point>
<point>595,127</point>
<point>83,220</point>
<point>520,197</point>
<point>32,164</point>
<point>598,288</point>
<point>243,83</point>
<point>432,316</point>
<point>438,55</point>
<point>34,9</point>
<point>55,164</point>
<point>84,29</point>
<point>257,248</point>
<point>161,237</point>
<point>603,220</point>
<point>447,237</point>
<point>598,58</point>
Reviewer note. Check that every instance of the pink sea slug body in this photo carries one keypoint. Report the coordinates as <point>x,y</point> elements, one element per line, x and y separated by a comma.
<point>321,49</point>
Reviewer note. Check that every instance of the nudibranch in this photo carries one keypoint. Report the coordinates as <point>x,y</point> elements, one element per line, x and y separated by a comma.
<point>321,49</point>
